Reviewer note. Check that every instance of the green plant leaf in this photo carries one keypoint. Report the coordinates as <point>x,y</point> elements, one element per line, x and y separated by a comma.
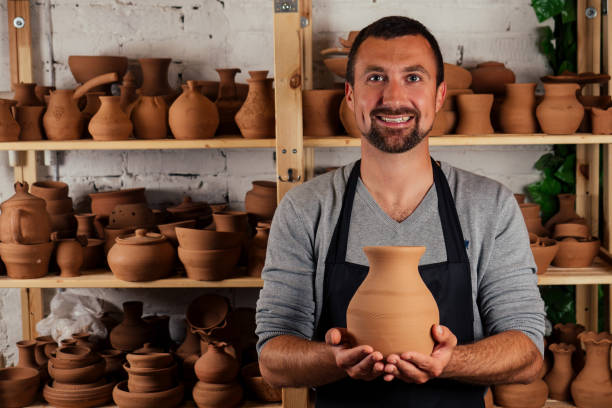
<point>545,9</point>
<point>568,13</point>
<point>566,66</point>
<point>544,162</point>
<point>567,171</point>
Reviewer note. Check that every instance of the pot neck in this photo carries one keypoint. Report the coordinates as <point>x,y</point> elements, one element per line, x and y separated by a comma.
<point>27,354</point>
<point>560,90</point>
<point>384,261</point>
<point>598,359</point>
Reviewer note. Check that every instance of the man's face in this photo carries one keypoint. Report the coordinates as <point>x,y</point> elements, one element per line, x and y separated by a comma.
<point>395,97</point>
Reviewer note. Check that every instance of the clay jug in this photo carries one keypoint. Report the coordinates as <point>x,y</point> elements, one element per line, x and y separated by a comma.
<point>592,388</point>
<point>261,199</point>
<point>216,365</point>
<point>128,90</point>
<point>30,122</point>
<point>150,117</point>
<point>567,211</point>
<point>9,128</point>
<point>257,251</point>
<point>560,113</point>
<point>189,346</point>
<point>85,225</point>
<point>27,354</point>
<point>475,114</point>
<point>491,77</point>
<point>601,121</point>
<point>24,219</point>
<point>69,256</point>
<point>25,95</point>
<point>63,119</point>
<point>517,111</point>
<point>561,375</point>
<point>155,76</point>
<point>110,122</point>
<point>228,102</point>
<point>347,117</point>
<point>320,112</point>
<point>192,115</point>
<point>132,332</point>
<point>255,119</point>
<point>394,292</point>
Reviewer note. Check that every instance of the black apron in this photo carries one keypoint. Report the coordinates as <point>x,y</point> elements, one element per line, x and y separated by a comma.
<point>450,284</point>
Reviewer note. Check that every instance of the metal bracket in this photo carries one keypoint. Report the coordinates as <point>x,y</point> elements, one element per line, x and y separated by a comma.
<point>590,12</point>
<point>290,177</point>
<point>304,22</point>
<point>285,6</point>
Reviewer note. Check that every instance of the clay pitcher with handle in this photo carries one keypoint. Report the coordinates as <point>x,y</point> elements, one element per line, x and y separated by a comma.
<point>24,218</point>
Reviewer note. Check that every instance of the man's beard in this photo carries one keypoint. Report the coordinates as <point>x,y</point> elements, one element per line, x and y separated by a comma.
<point>380,138</point>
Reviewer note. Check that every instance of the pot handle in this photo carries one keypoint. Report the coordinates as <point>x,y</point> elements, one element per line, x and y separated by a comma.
<point>103,79</point>
<point>16,226</point>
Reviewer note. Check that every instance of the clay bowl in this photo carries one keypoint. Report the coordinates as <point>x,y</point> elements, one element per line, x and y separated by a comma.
<point>217,395</point>
<point>256,384</point>
<point>81,375</point>
<point>207,312</point>
<point>93,254</point>
<point>231,221</point>
<point>571,229</point>
<point>544,251</point>
<point>61,206</point>
<point>66,386</point>
<point>114,360</point>
<point>18,386</point>
<point>150,360</point>
<point>167,399</point>
<point>209,264</point>
<point>168,230</point>
<point>196,239</point>
<point>337,65</point>
<point>69,357</point>
<point>50,190</point>
<point>80,397</point>
<point>26,261</point>
<point>150,379</point>
<point>576,253</point>
<point>104,203</point>
<point>86,67</point>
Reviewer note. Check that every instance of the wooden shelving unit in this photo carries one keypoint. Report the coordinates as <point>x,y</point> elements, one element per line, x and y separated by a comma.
<point>189,404</point>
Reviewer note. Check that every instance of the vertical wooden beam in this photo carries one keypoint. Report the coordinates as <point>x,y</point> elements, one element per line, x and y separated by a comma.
<point>589,40</point>
<point>305,8</point>
<point>20,41</point>
<point>25,170</point>
<point>31,311</point>
<point>606,56</point>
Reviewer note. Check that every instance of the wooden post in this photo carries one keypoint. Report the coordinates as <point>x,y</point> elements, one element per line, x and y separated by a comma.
<point>31,311</point>
<point>20,41</point>
<point>305,8</point>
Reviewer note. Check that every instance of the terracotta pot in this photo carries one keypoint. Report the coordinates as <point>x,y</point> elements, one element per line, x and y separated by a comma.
<point>9,128</point>
<point>192,115</point>
<point>347,117</point>
<point>163,399</point>
<point>128,91</point>
<point>111,234</point>
<point>79,397</point>
<point>395,269</point>
<point>228,102</point>
<point>63,119</point>
<point>593,386</point>
<point>41,342</point>
<point>155,76</point>
<point>474,114</point>
<point>255,119</point>
<point>168,230</point>
<point>189,346</point>
<point>113,359</point>
<point>576,253</point>
<point>216,365</point>
<point>560,113</point>
<point>207,313</point>
<point>25,95</point>
<point>132,332</point>
<point>567,212</point>
<point>150,379</point>
<point>530,210</point>
<point>601,121</point>
<point>150,117</point>
<point>18,386</point>
<point>136,215</point>
<point>257,386</point>
<point>69,256</point>
<point>27,354</point>
<point>81,375</point>
<point>532,395</point>
<point>457,77</point>
<point>65,224</point>
<point>520,198</point>
<point>189,210</point>
<point>560,377</point>
<point>142,257</point>
<point>571,229</point>
<point>150,360</point>
<point>86,67</point>
<point>444,122</point>
<point>517,112</point>
<point>57,207</point>
<point>261,199</point>
<point>103,203</point>
<point>85,225</point>
<point>231,221</point>
<point>257,251</point>
<point>568,333</point>
<point>41,91</point>
<point>209,264</point>
<point>92,106</point>
<point>26,261</point>
<point>491,77</point>
<point>544,251</point>
<point>217,395</point>
<point>209,89</point>
<point>337,63</point>
<point>50,190</point>
<point>74,356</point>
<point>65,386</point>
<point>29,119</point>
<point>110,122</point>
<point>320,112</point>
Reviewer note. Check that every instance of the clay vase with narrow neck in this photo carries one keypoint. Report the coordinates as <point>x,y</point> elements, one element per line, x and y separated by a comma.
<point>25,95</point>
<point>228,102</point>
<point>394,292</point>
<point>560,377</point>
<point>216,365</point>
<point>150,117</point>
<point>110,122</point>
<point>9,128</point>
<point>567,211</point>
<point>63,119</point>
<point>475,114</point>
<point>86,226</point>
<point>560,113</point>
<point>133,331</point>
<point>155,76</point>
<point>27,354</point>
<point>592,388</point>
<point>517,111</point>
<point>192,115</point>
<point>255,119</point>
<point>30,121</point>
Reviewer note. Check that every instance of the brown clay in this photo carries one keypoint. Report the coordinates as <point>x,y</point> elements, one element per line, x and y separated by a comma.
<point>592,388</point>
<point>231,221</point>
<point>92,105</point>
<point>544,251</point>
<point>189,210</point>
<point>150,379</point>
<point>474,114</point>
<point>261,199</point>
<point>216,365</point>
<point>530,210</point>
<point>27,354</point>
<point>29,119</point>
<point>148,348</point>
<point>61,206</point>
<point>63,119</point>
<point>209,264</point>
<point>207,313</point>
<point>347,117</point>
<point>561,375</point>
<point>491,77</point>
<point>162,399</point>
<point>111,234</point>
<point>9,128</point>
<point>73,356</point>
<point>50,190</point>
<point>576,253</point>
<point>209,89</point>
<point>78,397</point>
<point>81,375</point>
<point>83,340</point>
<point>571,229</point>
<point>255,119</point>
<point>69,256</point>
<point>567,212</point>
<point>228,102</point>
<point>532,395</point>
<point>132,332</point>
<point>601,121</point>
<point>65,224</point>
<point>192,115</point>
<point>110,122</point>
<point>113,359</point>
<point>149,360</point>
<point>41,91</point>
<point>520,198</point>
<point>320,112</point>
<point>257,386</point>
<point>128,90</point>
<point>168,230</point>
<point>136,215</point>
<point>18,386</point>
<point>189,346</point>
<point>395,268</point>
<point>103,203</point>
<point>150,117</point>
<point>41,342</point>
<point>560,113</point>
<point>86,67</point>
<point>457,77</point>
<point>25,95</point>
<point>85,225</point>
<point>257,251</point>
<point>155,76</point>
<point>517,111</point>
<point>26,261</point>
<point>217,395</point>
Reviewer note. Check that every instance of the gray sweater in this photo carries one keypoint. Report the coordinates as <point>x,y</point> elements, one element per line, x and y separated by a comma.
<point>505,295</point>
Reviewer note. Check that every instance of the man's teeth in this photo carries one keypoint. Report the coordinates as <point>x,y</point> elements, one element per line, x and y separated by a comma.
<point>396,120</point>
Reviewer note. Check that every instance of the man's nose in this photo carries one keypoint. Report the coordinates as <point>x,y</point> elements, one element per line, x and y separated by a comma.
<point>394,93</point>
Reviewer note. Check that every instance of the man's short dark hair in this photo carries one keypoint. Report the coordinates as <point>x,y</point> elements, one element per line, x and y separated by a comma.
<point>392,27</point>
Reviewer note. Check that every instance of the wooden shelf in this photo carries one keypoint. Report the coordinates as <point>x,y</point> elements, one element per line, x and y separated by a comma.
<point>188,404</point>
<point>600,273</point>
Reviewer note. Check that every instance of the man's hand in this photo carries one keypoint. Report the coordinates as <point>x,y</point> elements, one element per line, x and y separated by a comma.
<point>414,367</point>
<point>359,362</point>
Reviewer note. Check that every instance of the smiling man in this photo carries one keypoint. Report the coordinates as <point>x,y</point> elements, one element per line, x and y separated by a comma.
<point>478,263</point>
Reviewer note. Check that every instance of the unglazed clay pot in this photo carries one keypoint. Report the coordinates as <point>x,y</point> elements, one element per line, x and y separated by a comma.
<point>110,122</point>
<point>396,270</point>
<point>18,386</point>
<point>92,106</point>
<point>25,95</point>
<point>571,229</point>
<point>69,256</point>
<point>347,117</point>
<point>257,386</point>
<point>474,114</point>
<point>336,61</point>
<point>208,395</point>
<point>544,251</point>
<point>561,375</point>
<point>111,234</point>
<point>228,102</point>
<point>162,399</point>
<point>560,113</point>
<point>189,346</point>
<point>255,119</point>
<point>63,119</point>
<point>150,379</point>
<point>576,253</point>
<point>209,264</point>
<point>41,91</point>
<point>137,215</point>
<point>155,76</point>
<point>103,203</point>
<point>81,397</point>
<point>81,375</point>
<point>50,190</point>
<point>27,354</point>
<point>568,333</point>
<point>86,67</point>
<point>531,395</point>
<point>196,239</point>
<point>567,212</point>
<point>142,257</point>
<point>592,388</point>
<point>207,313</point>
<point>320,112</point>
<point>30,122</point>
<point>491,77</point>
<point>457,77</point>
<point>192,115</point>
<point>168,230</point>
<point>261,199</point>
<point>190,210</point>
<point>26,261</point>
<point>517,111</point>
<point>216,365</point>
<point>601,121</point>
<point>150,117</point>
<point>257,251</point>
<point>231,221</point>
<point>132,332</point>
<point>149,360</point>
<point>73,356</point>
<point>85,225</point>
<point>128,90</point>
<point>113,359</point>
<point>9,128</point>
<point>24,219</point>
<point>41,343</point>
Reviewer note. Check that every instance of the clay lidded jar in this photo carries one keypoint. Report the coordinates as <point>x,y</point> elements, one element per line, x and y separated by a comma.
<point>216,365</point>
<point>347,117</point>
<point>567,211</point>
<point>592,388</point>
<point>110,122</point>
<point>24,219</point>
<point>133,331</point>
<point>261,199</point>
<point>491,77</point>
<point>256,115</point>
<point>150,117</point>
<point>228,101</point>
<point>517,111</point>
<point>475,114</point>
<point>320,112</point>
<point>601,121</point>
<point>560,113</point>
<point>561,375</point>
<point>63,119</point>
<point>155,76</point>
<point>25,95</point>
<point>9,128</point>
<point>69,256</point>
<point>30,122</point>
<point>393,283</point>
<point>192,115</point>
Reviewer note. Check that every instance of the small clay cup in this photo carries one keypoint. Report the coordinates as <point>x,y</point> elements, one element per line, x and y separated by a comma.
<point>125,398</point>
<point>18,386</point>
<point>151,360</point>
<point>196,239</point>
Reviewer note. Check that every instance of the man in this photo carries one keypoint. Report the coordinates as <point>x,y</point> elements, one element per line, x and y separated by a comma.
<point>478,263</point>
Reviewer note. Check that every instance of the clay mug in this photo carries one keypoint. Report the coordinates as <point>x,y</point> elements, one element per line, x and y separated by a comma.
<point>24,219</point>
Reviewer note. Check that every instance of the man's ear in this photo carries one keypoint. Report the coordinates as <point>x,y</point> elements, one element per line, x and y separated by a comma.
<point>348,94</point>
<point>440,96</point>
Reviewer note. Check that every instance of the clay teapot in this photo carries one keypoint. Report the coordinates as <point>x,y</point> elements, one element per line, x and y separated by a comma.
<point>24,219</point>
<point>592,388</point>
<point>256,116</point>
<point>560,113</point>
<point>9,128</point>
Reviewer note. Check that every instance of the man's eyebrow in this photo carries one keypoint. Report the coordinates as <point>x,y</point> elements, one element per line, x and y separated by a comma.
<point>411,68</point>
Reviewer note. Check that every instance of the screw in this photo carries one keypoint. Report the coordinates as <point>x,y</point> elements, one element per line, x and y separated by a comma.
<point>294,151</point>
<point>304,22</point>
<point>18,22</point>
<point>590,12</point>
<point>284,151</point>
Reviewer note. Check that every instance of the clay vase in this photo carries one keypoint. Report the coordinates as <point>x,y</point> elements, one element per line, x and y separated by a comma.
<point>150,117</point>
<point>192,115</point>
<point>592,388</point>
<point>27,354</point>
<point>320,112</point>
<point>257,251</point>
<point>63,119</point>
<point>208,395</point>
<point>69,257</point>
<point>457,77</point>
<point>25,95</point>
<point>491,77</point>
<point>261,200</point>
<point>531,395</point>
<point>228,102</point>
<point>155,76</point>
<point>517,111</point>
<point>85,225</point>
<point>132,332</point>
<point>393,284</point>
<point>41,91</point>
<point>255,119</point>
<point>29,119</point>
<point>24,219</point>
<point>9,128</point>
<point>544,251</point>
<point>475,114</point>
<point>561,375</point>
<point>601,121</point>
<point>110,122</point>
<point>576,252</point>
<point>216,365</point>
<point>567,211</point>
<point>568,333</point>
<point>347,117</point>
<point>560,113</point>
<point>128,90</point>
<point>92,105</point>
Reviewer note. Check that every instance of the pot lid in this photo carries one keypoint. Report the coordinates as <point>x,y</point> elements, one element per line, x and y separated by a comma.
<point>188,205</point>
<point>140,237</point>
<point>22,197</point>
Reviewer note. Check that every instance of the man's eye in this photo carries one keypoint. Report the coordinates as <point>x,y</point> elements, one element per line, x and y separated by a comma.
<point>414,78</point>
<point>375,78</point>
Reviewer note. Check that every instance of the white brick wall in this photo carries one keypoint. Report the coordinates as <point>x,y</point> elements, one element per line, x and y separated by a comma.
<point>203,35</point>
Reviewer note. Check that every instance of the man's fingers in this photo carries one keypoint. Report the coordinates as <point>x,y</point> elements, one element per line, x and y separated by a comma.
<point>443,336</point>
<point>421,361</point>
<point>410,373</point>
<point>365,367</point>
<point>353,356</point>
